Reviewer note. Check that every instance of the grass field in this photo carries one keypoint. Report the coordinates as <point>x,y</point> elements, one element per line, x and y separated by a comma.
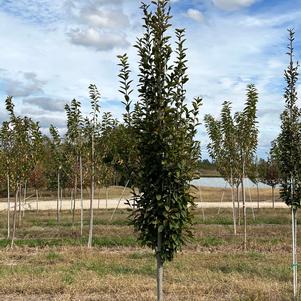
<point>214,194</point>
<point>51,262</point>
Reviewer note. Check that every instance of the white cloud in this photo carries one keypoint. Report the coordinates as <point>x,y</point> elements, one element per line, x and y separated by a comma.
<point>110,18</point>
<point>98,24</point>
<point>232,4</point>
<point>101,41</point>
<point>20,84</point>
<point>46,103</point>
<point>195,15</point>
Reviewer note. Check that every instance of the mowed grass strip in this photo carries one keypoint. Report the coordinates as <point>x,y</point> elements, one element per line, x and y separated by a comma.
<point>130,274</point>
<point>50,260</point>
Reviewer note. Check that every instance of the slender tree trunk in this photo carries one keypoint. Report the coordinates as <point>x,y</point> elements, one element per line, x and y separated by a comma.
<point>294,265</point>
<point>8,207</point>
<point>71,199</point>
<point>81,196</point>
<point>58,199</point>
<point>233,204</point>
<point>244,206</point>
<point>61,202</point>
<point>201,200</point>
<point>37,200</point>
<point>123,191</point>
<point>19,215</point>
<point>107,196</point>
<point>238,203</point>
<point>159,270</point>
<point>250,197</point>
<point>273,196</point>
<point>258,198</point>
<point>91,194</point>
<point>74,201</point>
<point>14,218</point>
<point>222,198</point>
<point>24,198</point>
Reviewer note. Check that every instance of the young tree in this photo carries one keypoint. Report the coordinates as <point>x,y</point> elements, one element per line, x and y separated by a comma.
<point>75,138</point>
<point>223,149</point>
<point>165,128</point>
<point>288,150</point>
<point>24,138</point>
<point>247,139</point>
<point>92,126</point>
<point>6,163</point>
<point>56,146</point>
<point>269,174</point>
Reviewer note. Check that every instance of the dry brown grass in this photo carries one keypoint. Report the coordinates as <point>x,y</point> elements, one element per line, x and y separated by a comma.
<point>214,194</point>
<point>211,267</point>
<point>114,192</point>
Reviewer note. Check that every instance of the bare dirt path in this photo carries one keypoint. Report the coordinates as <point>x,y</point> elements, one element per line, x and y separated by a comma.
<point>112,203</point>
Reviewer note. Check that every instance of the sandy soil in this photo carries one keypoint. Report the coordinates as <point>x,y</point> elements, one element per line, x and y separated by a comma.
<point>113,203</point>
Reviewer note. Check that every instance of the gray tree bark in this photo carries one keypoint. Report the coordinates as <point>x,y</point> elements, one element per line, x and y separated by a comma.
<point>159,270</point>
<point>8,207</point>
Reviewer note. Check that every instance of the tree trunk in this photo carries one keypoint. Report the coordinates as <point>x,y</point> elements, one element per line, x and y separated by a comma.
<point>91,194</point>
<point>233,204</point>
<point>81,196</point>
<point>58,199</point>
<point>71,199</point>
<point>61,203</point>
<point>37,200</point>
<point>238,203</point>
<point>258,198</point>
<point>201,200</point>
<point>19,215</point>
<point>273,196</point>
<point>244,206</point>
<point>159,269</point>
<point>14,217</point>
<point>24,198</point>
<point>250,197</point>
<point>8,207</point>
<point>294,265</point>
<point>74,201</point>
<point>107,196</point>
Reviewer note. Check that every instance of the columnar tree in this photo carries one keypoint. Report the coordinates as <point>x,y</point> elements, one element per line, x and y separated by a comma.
<point>92,124</point>
<point>7,163</point>
<point>289,150</point>
<point>247,139</point>
<point>233,144</point>
<point>165,128</point>
<point>56,147</point>
<point>24,138</point>
<point>74,137</point>
<point>223,149</point>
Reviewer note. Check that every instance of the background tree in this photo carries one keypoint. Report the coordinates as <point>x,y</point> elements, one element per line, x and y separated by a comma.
<point>74,137</point>
<point>56,147</point>
<point>269,174</point>
<point>288,152</point>
<point>223,149</point>
<point>247,139</point>
<point>92,126</point>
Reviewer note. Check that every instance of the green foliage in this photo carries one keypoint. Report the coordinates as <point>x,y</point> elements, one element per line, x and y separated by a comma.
<point>164,128</point>
<point>233,140</point>
<point>21,145</point>
<point>287,152</point>
<point>268,172</point>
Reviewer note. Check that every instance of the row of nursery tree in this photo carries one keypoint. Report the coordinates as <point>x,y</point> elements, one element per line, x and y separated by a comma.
<point>154,148</point>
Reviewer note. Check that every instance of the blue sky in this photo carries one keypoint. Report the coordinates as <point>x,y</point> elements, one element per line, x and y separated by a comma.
<point>51,50</point>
